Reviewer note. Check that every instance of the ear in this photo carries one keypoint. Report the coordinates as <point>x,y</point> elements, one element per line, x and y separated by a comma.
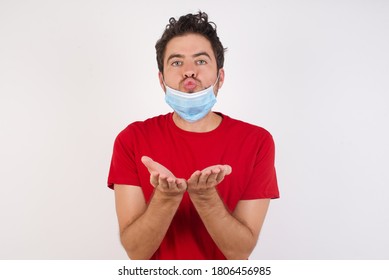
<point>160,76</point>
<point>220,81</point>
<point>221,78</point>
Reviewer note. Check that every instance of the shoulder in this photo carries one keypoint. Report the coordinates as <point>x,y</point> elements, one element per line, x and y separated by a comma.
<point>142,127</point>
<point>245,129</point>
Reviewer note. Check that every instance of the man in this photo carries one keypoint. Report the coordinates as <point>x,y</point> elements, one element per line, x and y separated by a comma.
<point>192,184</point>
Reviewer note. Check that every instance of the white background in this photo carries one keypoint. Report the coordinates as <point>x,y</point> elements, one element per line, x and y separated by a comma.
<point>73,74</point>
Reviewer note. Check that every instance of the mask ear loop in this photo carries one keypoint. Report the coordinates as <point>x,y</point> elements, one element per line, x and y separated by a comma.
<point>164,83</point>
<point>217,80</point>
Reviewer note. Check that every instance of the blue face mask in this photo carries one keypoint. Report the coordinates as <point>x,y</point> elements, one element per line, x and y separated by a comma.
<point>191,106</point>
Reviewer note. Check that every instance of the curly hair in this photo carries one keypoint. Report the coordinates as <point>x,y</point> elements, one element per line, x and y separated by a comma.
<point>190,23</point>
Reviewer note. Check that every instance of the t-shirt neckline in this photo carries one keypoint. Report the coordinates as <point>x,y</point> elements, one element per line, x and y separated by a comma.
<point>215,131</point>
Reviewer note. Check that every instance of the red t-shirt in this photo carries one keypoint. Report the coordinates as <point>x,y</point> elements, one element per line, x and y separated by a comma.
<point>248,149</point>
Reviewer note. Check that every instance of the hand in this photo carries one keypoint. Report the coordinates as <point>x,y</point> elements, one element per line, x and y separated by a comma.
<point>206,180</point>
<point>162,178</point>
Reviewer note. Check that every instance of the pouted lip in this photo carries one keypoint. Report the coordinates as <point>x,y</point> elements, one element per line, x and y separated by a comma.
<point>190,84</point>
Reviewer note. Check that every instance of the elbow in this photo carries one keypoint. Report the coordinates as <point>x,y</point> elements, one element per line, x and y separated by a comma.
<point>130,247</point>
<point>242,251</point>
<point>133,253</point>
<point>134,249</point>
<point>239,254</point>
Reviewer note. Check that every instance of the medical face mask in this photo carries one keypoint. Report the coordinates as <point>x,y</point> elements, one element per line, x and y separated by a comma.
<point>191,106</point>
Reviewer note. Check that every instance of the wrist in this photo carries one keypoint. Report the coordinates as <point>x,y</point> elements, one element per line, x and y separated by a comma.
<point>203,195</point>
<point>207,203</point>
<point>167,197</point>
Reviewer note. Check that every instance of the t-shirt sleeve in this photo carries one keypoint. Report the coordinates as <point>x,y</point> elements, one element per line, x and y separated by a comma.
<point>263,179</point>
<point>123,169</point>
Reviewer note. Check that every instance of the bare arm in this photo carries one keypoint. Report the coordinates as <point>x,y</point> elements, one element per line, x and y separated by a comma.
<point>142,226</point>
<point>236,233</point>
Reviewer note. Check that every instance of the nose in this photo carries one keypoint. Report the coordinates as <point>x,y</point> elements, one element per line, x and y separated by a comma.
<point>189,73</point>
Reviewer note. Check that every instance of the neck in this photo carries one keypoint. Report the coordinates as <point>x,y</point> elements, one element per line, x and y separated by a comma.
<point>210,122</point>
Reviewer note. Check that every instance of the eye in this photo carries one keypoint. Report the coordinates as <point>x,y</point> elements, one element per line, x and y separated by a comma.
<point>176,63</point>
<point>201,62</point>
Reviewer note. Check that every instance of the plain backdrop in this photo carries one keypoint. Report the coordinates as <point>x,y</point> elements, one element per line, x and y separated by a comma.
<point>315,74</point>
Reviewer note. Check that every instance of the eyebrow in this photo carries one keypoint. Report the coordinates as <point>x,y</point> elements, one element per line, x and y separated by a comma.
<point>202,53</point>
<point>176,55</point>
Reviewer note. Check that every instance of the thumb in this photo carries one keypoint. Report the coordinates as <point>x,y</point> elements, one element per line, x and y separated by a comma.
<point>148,162</point>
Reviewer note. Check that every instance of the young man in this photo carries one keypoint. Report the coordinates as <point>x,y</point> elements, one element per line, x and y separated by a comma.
<point>192,184</point>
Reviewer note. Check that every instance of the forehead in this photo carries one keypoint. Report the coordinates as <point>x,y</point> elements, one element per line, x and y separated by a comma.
<point>188,45</point>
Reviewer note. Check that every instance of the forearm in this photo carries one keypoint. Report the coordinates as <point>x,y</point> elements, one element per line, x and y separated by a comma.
<point>233,238</point>
<point>143,237</point>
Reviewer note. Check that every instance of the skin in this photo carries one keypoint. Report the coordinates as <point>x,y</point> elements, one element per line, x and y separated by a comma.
<point>142,226</point>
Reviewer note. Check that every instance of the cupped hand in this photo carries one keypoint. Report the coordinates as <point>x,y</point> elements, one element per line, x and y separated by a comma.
<point>208,178</point>
<point>153,166</point>
<point>162,178</point>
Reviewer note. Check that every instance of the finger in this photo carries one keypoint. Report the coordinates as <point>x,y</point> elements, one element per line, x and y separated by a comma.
<point>217,169</point>
<point>212,182</point>
<point>154,179</point>
<point>220,175</point>
<point>181,184</point>
<point>212,178</point>
<point>162,182</point>
<point>171,183</point>
<point>194,179</point>
<point>204,177</point>
<point>227,169</point>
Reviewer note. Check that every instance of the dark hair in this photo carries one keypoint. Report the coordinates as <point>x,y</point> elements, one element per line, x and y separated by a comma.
<point>190,23</point>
